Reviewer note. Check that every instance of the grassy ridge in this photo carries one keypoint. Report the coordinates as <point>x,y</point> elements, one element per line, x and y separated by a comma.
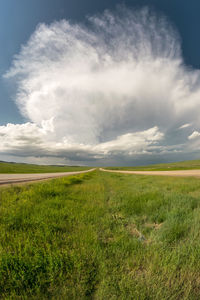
<point>183,165</point>
<point>8,168</point>
<point>101,236</point>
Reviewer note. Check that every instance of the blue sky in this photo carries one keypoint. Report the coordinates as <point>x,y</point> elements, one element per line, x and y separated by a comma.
<point>20,19</point>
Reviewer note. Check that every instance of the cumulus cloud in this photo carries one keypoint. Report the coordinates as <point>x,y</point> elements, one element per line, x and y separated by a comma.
<point>131,143</point>
<point>194,135</point>
<point>114,87</point>
<point>21,139</point>
<point>30,140</point>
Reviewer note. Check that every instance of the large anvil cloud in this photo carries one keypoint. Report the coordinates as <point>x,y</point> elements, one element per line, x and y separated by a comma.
<point>115,88</point>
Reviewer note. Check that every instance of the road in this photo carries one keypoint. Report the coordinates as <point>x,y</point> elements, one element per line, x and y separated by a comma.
<point>180,173</point>
<point>22,178</point>
<point>6,179</point>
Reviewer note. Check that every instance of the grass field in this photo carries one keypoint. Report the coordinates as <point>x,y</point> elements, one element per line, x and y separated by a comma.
<point>183,165</point>
<point>8,168</point>
<point>101,236</point>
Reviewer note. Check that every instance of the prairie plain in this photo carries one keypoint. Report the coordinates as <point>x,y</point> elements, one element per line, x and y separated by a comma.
<point>15,168</point>
<point>101,236</point>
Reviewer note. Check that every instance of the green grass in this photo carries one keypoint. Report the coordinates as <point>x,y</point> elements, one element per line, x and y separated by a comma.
<point>101,236</point>
<point>183,165</point>
<point>7,168</point>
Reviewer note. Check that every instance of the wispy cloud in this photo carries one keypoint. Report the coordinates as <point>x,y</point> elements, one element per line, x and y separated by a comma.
<point>185,126</point>
<point>116,87</point>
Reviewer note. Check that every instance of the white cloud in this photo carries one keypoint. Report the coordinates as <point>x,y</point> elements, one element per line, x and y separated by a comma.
<point>30,140</point>
<point>194,135</point>
<point>115,88</point>
<point>20,138</point>
<point>132,143</point>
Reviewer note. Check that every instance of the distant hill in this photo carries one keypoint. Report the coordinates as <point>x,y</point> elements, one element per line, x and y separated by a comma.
<point>183,165</point>
<point>12,167</point>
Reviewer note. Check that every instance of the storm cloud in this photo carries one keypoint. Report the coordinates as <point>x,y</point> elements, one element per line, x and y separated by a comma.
<point>112,90</point>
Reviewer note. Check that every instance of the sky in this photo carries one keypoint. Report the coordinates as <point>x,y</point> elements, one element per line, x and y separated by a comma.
<point>99,83</point>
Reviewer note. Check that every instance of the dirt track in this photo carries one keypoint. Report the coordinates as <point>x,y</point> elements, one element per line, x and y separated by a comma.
<point>181,173</point>
<point>23,178</point>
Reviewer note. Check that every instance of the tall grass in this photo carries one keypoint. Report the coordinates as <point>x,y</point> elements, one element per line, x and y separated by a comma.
<point>101,236</point>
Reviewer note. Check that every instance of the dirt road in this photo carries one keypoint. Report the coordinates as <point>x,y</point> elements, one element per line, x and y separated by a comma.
<point>182,173</point>
<point>21,178</point>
